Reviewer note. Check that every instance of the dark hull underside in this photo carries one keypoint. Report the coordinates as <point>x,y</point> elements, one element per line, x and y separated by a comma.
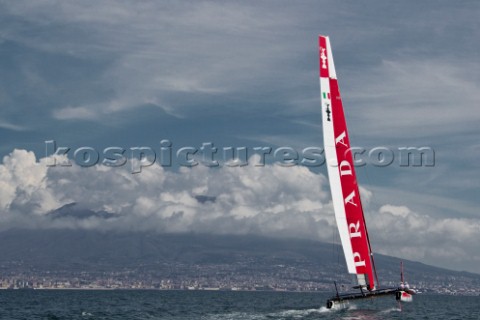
<point>339,298</point>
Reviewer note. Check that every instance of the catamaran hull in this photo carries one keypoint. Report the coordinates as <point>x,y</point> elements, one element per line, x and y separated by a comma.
<point>337,305</point>
<point>339,301</point>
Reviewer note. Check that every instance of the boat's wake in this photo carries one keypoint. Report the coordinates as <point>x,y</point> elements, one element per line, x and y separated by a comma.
<point>390,310</point>
<point>288,314</point>
<point>234,316</point>
<point>284,314</point>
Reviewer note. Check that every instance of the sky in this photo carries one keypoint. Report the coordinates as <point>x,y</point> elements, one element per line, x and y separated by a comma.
<point>92,75</point>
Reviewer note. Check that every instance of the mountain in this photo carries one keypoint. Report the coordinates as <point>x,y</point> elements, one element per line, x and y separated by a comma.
<point>199,259</point>
<point>74,211</point>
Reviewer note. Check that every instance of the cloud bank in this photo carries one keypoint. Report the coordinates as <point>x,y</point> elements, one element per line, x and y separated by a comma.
<point>270,200</point>
<point>264,200</point>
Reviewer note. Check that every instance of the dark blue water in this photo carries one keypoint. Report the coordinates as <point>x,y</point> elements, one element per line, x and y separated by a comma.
<point>70,304</point>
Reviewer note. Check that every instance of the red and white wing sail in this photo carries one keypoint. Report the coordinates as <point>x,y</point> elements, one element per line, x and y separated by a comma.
<point>341,173</point>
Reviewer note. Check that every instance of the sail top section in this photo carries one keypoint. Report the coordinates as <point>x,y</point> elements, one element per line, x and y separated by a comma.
<point>327,67</point>
<point>341,172</point>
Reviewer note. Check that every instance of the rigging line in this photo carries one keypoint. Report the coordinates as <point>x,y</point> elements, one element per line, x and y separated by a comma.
<point>368,238</point>
<point>370,248</point>
<point>333,244</point>
<point>338,246</point>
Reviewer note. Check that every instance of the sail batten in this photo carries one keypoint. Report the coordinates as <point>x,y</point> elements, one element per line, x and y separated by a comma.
<point>343,182</point>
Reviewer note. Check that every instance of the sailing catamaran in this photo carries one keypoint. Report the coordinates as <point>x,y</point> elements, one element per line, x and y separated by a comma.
<point>345,192</point>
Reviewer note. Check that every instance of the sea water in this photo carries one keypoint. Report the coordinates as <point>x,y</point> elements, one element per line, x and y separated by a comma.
<point>206,305</point>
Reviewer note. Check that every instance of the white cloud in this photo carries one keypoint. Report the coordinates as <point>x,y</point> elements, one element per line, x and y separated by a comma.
<point>400,211</point>
<point>11,126</point>
<point>69,113</point>
<point>23,184</point>
<point>445,242</point>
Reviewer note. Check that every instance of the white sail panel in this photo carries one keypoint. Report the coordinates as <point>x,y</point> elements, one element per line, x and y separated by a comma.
<point>331,66</point>
<point>334,175</point>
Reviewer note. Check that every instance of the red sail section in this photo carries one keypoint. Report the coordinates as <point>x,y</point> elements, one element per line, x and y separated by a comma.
<point>322,55</point>
<point>351,196</point>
